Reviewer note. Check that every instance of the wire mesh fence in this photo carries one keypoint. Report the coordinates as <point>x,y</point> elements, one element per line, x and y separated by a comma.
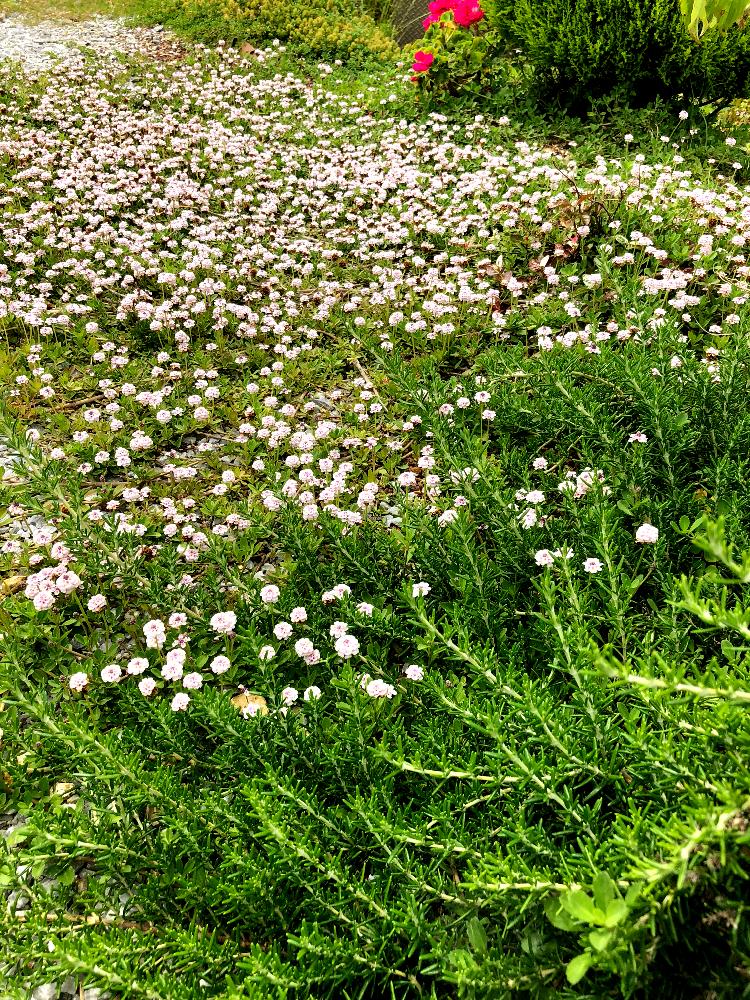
<point>407,20</point>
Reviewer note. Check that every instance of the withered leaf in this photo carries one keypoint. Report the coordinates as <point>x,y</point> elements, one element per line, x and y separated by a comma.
<point>249,705</point>
<point>11,585</point>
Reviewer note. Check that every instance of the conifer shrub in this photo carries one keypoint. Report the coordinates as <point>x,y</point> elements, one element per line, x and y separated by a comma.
<point>638,50</point>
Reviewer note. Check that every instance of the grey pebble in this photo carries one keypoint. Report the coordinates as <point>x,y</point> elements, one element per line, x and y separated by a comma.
<point>49,991</point>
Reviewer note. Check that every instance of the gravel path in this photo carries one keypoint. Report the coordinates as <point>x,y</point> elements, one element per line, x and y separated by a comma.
<point>39,46</point>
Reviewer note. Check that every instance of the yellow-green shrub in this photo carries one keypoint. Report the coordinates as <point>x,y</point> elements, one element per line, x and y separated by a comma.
<point>322,28</point>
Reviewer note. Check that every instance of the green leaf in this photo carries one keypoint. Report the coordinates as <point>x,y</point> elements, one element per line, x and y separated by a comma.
<point>635,583</point>
<point>477,935</point>
<point>581,906</point>
<point>17,836</point>
<point>600,939</point>
<point>634,891</point>
<point>578,967</point>
<point>558,917</point>
<point>615,912</point>
<point>627,712</point>
<point>604,890</point>
<point>729,651</point>
<point>67,877</point>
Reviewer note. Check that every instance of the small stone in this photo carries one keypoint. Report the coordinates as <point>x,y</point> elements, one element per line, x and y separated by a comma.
<point>48,991</point>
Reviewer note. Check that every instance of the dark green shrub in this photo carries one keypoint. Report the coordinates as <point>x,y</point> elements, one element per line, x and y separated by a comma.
<point>581,50</point>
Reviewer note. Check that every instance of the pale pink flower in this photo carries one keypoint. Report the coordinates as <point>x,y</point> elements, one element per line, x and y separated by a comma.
<point>44,600</point>
<point>78,681</point>
<point>347,646</point>
<point>448,517</point>
<point>176,657</point>
<point>647,534</point>
<point>68,581</point>
<point>564,553</point>
<point>420,589</point>
<point>137,665</point>
<point>220,664</point>
<point>529,518</point>
<point>97,602</point>
<point>379,689</point>
<point>303,647</point>
<point>312,693</point>
<point>224,622</point>
<point>250,711</point>
<point>155,633</point>
<point>414,672</point>
<point>111,673</point>
<point>270,594</point>
<point>180,702</point>
<point>172,670</point>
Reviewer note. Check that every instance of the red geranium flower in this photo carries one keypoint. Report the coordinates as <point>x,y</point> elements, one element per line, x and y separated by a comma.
<point>437,8</point>
<point>422,61</point>
<point>467,12</point>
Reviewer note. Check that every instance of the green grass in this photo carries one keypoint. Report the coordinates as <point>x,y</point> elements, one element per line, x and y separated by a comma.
<point>65,10</point>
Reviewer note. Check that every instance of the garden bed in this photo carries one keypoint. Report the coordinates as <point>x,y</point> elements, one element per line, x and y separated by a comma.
<point>363,628</point>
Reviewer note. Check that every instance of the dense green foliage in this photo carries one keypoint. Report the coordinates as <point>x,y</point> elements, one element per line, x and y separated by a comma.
<point>529,347</point>
<point>575,745</point>
<point>636,49</point>
<point>572,53</point>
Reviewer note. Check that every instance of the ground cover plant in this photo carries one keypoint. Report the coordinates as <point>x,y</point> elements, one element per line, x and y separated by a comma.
<point>374,603</point>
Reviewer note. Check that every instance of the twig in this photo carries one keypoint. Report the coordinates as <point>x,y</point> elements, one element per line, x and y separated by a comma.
<point>72,403</point>
<point>367,379</point>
